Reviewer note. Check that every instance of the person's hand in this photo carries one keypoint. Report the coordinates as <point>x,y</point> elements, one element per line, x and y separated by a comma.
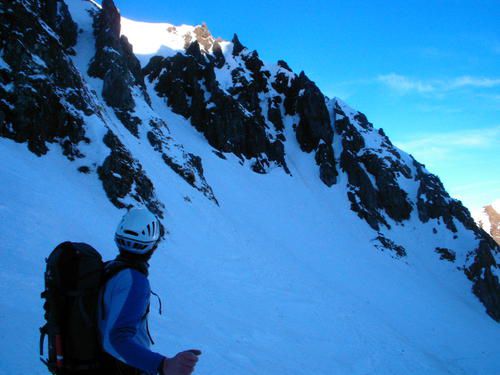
<point>182,364</point>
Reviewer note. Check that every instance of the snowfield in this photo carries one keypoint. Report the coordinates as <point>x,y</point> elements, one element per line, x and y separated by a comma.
<point>280,278</point>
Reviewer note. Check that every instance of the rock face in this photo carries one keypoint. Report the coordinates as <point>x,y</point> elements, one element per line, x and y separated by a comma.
<point>246,117</point>
<point>488,219</point>
<point>435,203</point>
<point>326,161</point>
<point>43,98</point>
<point>373,173</point>
<point>115,63</point>
<point>314,131</point>
<point>122,176</point>
<point>237,46</point>
<point>314,124</point>
<point>56,15</point>
<point>231,123</point>
<point>481,272</point>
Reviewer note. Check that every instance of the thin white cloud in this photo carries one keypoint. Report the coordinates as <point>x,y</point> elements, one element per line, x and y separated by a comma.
<point>454,156</point>
<point>404,84</point>
<point>439,146</point>
<point>473,82</point>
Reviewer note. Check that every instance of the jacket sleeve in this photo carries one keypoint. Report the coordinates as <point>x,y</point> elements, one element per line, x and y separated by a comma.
<point>130,302</point>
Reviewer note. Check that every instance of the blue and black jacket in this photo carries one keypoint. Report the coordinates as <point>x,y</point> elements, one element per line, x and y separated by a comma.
<point>123,314</point>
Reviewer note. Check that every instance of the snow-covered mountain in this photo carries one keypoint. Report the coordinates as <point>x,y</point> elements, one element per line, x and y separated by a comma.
<point>299,239</point>
<point>488,218</point>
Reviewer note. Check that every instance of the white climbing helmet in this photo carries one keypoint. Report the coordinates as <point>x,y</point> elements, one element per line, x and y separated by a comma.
<point>138,231</point>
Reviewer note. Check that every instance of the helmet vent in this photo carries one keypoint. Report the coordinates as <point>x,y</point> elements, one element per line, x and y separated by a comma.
<point>138,231</point>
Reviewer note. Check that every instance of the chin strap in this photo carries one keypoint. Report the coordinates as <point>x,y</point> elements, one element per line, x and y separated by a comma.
<point>160,310</point>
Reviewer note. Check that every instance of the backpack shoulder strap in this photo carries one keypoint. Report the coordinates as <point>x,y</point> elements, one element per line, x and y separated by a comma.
<point>113,268</point>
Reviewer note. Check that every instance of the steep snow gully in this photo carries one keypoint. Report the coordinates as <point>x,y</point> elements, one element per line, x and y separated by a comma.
<point>299,239</point>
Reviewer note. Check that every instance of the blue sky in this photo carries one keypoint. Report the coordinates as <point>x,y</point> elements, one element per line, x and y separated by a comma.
<point>428,72</point>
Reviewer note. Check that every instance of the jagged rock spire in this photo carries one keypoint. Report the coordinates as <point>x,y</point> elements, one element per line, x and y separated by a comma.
<point>237,46</point>
<point>283,64</point>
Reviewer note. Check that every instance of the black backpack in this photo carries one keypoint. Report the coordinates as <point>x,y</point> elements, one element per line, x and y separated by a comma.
<point>74,275</point>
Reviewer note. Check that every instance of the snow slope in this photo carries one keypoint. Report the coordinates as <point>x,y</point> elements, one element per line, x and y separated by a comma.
<point>260,288</point>
<point>280,278</point>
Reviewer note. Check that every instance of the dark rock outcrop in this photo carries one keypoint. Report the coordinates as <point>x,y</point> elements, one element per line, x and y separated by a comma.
<point>380,193</point>
<point>42,96</point>
<point>281,83</point>
<point>314,125</point>
<point>56,15</point>
<point>435,203</point>
<point>246,92</point>
<point>326,161</point>
<point>290,87</point>
<point>259,76</point>
<point>237,46</point>
<point>123,176</point>
<point>383,243</point>
<point>115,63</point>
<point>116,90</point>
<point>392,198</point>
<point>231,123</point>
<point>486,285</point>
<point>362,193</point>
<point>314,131</point>
<point>284,65</point>
<point>446,254</point>
<point>219,59</point>
<point>274,113</point>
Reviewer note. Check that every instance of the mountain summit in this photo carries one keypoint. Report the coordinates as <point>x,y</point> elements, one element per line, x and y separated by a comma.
<point>488,218</point>
<point>299,229</point>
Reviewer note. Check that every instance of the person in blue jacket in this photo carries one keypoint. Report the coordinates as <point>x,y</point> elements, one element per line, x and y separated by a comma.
<point>124,306</point>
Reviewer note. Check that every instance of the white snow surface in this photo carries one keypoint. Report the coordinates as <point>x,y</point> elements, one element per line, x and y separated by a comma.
<point>155,38</point>
<point>152,39</point>
<point>281,278</point>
